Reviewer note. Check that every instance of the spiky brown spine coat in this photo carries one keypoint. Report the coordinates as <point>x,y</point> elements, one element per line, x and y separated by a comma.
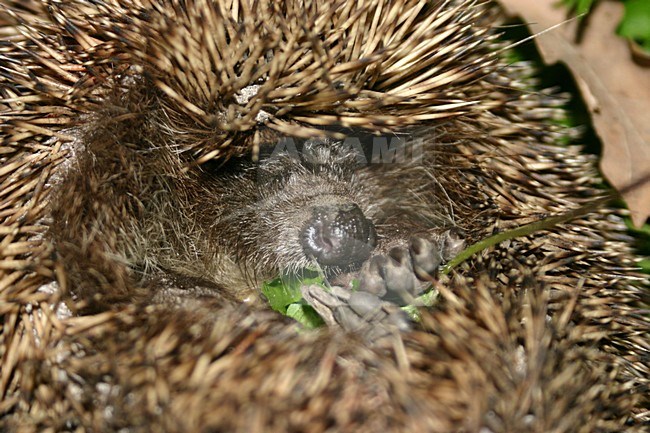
<point>541,334</point>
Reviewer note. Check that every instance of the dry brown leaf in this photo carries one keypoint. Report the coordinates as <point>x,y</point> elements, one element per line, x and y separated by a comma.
<point>616,91</point>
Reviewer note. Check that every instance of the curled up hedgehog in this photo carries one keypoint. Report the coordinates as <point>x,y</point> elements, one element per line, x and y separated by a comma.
<point>163,159</point>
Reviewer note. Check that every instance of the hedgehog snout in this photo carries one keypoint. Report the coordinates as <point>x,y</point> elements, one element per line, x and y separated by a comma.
<point>338,235</point>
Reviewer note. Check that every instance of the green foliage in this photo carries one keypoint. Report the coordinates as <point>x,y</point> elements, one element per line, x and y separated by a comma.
<point>636,22</point>
<point>579,7</point>
<point>285,297</point>
<point>305,315</point>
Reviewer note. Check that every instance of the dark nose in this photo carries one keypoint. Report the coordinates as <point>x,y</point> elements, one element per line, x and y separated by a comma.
<point>338,235</point>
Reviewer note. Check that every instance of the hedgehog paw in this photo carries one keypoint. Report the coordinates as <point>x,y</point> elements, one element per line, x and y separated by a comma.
<point>405,272</point>
<point>386,282</point>
<point>358,312</point>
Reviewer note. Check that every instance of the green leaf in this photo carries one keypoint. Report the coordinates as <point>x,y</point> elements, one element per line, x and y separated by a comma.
<point>584,6</point>
<point>305,315</point>
<point>278,294</point>
<point>636,22</point>
<point>579,7</point>
<point>285,290</point>
<point>285,297</point>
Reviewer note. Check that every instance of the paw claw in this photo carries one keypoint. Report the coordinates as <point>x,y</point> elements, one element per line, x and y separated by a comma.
<point>426,257</point>
<point>371,278</point>
<point>453,243</point>
<point>400,282</point>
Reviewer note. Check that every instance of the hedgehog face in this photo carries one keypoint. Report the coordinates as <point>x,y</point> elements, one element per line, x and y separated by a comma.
<point>324,202</point>
<point>317,181</point>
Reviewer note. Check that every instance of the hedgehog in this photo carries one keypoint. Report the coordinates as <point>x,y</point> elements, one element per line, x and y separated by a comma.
<point>161,159</point>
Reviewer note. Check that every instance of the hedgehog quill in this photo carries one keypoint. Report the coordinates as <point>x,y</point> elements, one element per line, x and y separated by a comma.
<point>161,159</point>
